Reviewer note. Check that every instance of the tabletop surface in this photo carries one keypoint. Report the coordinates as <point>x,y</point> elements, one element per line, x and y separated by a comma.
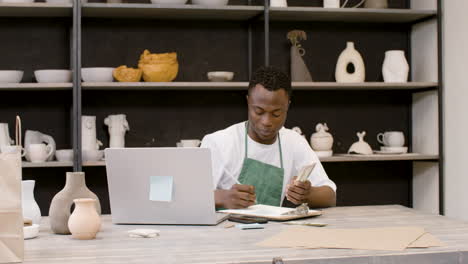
<point>217,244</point>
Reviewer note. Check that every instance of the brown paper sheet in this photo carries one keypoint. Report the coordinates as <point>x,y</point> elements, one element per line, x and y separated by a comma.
<point>387,238</point>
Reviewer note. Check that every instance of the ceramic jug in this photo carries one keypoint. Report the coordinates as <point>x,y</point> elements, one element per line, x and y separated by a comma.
<point>30,208</point>
<point>59,211</point>
<point>84,222</point>
<point>350,56</point>
<point>5,139</point>
<point>88,133</point>
<point>36,137</point>
<point>395,67</point>
<point>118,125</point>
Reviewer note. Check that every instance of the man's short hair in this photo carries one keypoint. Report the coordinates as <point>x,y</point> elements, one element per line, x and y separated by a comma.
<point>272,79</point>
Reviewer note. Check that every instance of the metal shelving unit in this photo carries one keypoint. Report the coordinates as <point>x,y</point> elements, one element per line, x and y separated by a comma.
<point>35,10</point>
<point>35,86</point>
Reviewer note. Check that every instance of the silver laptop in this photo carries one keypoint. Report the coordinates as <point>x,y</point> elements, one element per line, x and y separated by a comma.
<point>161,186</point>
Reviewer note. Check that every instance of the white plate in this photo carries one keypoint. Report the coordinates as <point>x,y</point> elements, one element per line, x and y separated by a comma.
<point>31,231</point>
<point>389,152</point>
<point>393,150</point>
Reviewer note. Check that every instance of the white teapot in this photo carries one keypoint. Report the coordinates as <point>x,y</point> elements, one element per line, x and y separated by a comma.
<point>322,141</point>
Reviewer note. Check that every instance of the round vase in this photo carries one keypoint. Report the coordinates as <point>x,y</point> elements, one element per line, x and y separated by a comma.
<point>59,212</point>
<point>84,222</point>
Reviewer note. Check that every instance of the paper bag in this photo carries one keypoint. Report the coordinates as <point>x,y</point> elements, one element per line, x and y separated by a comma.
<point>11,216</point>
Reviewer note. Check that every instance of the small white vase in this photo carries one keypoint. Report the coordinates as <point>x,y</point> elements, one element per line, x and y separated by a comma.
<point>30,208</point>
<point>395,68</point>
<point>84,222</point>
<point>118,126</point>
<point>350,55</point>
<point>331,3</point>
<point>278,3</point>
<point>88,133</point>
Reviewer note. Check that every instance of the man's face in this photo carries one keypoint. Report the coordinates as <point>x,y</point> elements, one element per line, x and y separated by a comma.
<point>267,113</point>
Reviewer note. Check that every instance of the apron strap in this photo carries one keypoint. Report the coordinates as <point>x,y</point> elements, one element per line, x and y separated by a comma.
<point>246,145</point>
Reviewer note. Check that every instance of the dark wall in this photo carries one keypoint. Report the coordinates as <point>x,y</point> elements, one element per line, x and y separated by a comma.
<point>161,118</point>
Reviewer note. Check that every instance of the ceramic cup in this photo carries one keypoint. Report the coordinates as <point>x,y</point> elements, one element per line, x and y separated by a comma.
<point>189,143</point>
<point>13,149</point>
<point>392,138</point>
<point>39,152</point>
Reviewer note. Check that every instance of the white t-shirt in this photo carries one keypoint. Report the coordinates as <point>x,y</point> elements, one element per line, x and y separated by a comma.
<point>228,151</point>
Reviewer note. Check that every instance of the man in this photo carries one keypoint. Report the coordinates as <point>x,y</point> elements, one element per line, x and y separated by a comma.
<point>257,160</point>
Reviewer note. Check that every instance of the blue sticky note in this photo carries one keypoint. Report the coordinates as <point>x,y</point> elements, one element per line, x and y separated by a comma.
<point>161,188</point>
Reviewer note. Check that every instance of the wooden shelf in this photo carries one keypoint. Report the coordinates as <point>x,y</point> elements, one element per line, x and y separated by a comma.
<point>221,86</point>
<point>336,158</point>
<point>350,14</point>
<point>167,86</point>
<point>48,164</point>
<point>35,10</point>
<point>35,86</point>
<point>380,157</point>
<point>159,11</point>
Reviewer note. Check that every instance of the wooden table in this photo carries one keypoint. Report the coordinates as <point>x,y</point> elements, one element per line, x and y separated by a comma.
<point>216,244</point>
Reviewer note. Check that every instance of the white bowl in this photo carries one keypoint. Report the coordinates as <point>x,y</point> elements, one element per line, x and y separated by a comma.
<point>31,231</point>
<point>64,154</point>
<point>92,155</point>
<point>97,74</point>
<point>53,76</point>
<point>220,76</point>
<point>17,1</point>
<point>210,2</point>
<point>169,2</point>
<point>11,76</point>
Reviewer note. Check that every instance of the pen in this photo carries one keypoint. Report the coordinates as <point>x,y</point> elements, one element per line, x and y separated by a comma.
<point>238,182</point>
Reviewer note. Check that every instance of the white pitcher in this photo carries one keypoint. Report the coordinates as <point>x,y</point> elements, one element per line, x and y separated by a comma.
<point>5,139</point>
<point>118,125</point>
<point>88,133</point>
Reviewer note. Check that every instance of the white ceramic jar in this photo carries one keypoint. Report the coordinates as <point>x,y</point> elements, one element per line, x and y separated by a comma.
<point>395,67</point>
<point>321,140</point>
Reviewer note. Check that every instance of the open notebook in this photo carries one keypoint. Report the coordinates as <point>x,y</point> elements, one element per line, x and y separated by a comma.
<point>270,212</point>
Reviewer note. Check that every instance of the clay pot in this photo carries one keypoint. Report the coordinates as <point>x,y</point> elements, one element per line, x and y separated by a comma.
<point>84,222</point>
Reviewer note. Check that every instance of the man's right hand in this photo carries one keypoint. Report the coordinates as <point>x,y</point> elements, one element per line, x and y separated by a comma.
<point>239,196</point>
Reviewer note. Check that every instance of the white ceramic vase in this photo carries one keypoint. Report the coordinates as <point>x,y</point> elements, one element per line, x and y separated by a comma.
<point>350,55</point>
<point>84,222</point>
<point>278,3</point>
<point>88,133</point>
<point>118,126</point>
<point>395,68</point>
<point>5,139</point>
<point>30,208</point>
<point>331,3</point>
<point>321,140</point>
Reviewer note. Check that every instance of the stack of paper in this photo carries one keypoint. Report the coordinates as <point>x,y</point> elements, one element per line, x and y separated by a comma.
<point>388,238</point>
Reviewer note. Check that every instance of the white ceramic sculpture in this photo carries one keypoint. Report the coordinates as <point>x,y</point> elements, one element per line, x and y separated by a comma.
<point>331,3</point>
<point>88,133</point>
<point>395,68</point>
<point>36,137</point>
<point>5,139</point>
<point>360,147</point>
<point>322,141</point>
<point>298,130</point>
<point>30,208</point>
<point>278,3</point>
<point>118,125</point>
<point>350,56</point>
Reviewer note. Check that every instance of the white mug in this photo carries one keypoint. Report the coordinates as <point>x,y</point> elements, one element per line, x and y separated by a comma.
<point>39,152</point>
<point>392,138</point>
<point>13,149</point>
<point>278,3</point>
<point>190,143</point>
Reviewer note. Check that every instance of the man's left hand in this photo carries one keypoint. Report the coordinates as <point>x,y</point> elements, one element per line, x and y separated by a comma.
<point>298,192</point>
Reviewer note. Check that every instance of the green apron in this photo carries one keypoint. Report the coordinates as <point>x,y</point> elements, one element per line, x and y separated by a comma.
<point>267,179</point>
